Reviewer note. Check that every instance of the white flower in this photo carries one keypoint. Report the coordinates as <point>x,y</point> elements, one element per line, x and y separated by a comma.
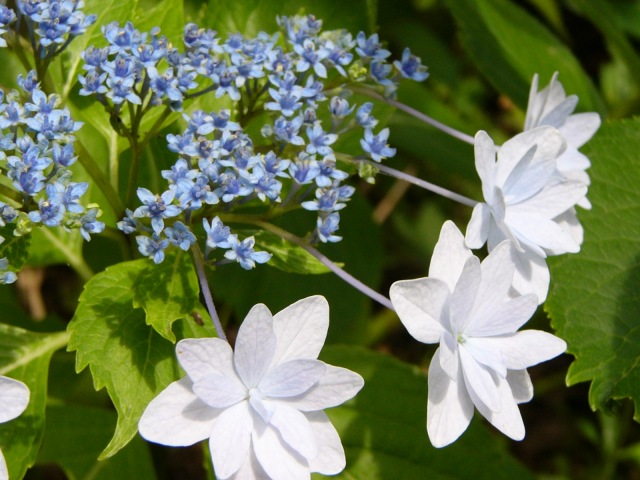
<point>525,202</point>
<point>14,398</point>
<point>551,106</point>
<point>261,407</point>
<point>464,305</point>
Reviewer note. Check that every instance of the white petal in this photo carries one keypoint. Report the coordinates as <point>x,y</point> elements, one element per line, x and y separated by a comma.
<point>335,387</point>
<point>4,472</point>
<point>478,227</point>
<point>531,275</point>
<point>464,295</point>
<point>295,430</point>
<point>574,161</point>
<point>250,470</point>
<point>301,329</point>
<point>579,128</point>
<point>277,459</point>
<point>255,345</point>
<point>330,459</point>
<point>449,255</point>
<point>497,276</point>
<point>231,439</point>
<point>543,232</point>
<point>420,304</point>
<point>292,378</point>
<point>14,398</point>
<point>569,222</point>
<point>449,407</point>
<point>521,385</point>
<point>508,420</point>
<point>219,391</point>
<point>534,105</point>
<point>485,159</point>
<point>527,348</point>
<point>200,357</point>
<point>485,354</point>
<point>449,355</point>
<point>528,177</point>
<point>479,380</point>
<point>548,141</point>
<point>506,318</point>
<point>177,417</point>
<point>554,199</point>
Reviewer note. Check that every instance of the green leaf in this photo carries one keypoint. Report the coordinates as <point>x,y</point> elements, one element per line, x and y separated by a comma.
<point>15,249</point>
<point>74,437</point>
<point>497,32</point>
<point>25,356</point>
<point>251,16</point>
<point>383,430</point>
<point>594,299</point>
<point>131,360</point>
<point>287,256</point>
<point>167,292</point>
<point>168,15</point>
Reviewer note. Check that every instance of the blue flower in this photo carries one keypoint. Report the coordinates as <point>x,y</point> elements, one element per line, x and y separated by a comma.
<point>217,233</point>
<point>339,107</point>
<point>152,247</point>
<point>364,117</point>
<point>327,226</point>
<point>156,207</point>
<point>284,101</point>
<point>411,67</point>
<point>370,47</point>
<point>319,141</point>
<point>89,224</point>
<point>376,145</point>
<point>180,236</point>
<point>243,252</point>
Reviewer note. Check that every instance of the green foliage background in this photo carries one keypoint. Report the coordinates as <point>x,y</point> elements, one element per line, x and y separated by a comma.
<point>482,56</point>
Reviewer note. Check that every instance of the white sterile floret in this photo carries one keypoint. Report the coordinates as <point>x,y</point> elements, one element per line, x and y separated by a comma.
<point>481,361</point>
<point>551,106</point>
<point>14,398</point>
<point>525,202</point>
<point>261,407</point>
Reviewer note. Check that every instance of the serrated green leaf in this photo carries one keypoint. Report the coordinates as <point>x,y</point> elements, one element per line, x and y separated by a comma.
<point>287,256</point>
<point>167,292</point>
<point>25,356</point>
<point>15,249</point>
<point>251,16</point>
<point>127,357</point>
<point>594,301</point>
<point>383,429</point>
<point>74,437</point>
<point>497,32</point>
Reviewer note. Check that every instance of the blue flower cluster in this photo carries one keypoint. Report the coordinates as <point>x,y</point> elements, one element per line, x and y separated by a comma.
<point>53,23</point>
<point>36,151</point>
<point>300,86</point>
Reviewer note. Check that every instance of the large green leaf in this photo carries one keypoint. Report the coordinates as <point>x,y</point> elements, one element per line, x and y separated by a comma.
<point>167,292</point>
<point>251,16</point>
<point>497,32</point>
<point>15,249</point>
<point>74,437</point>
<point>594,300</point>
<point>168,15</point>
<point>384,433</point>
<point>25,356</point>
<point>127,357</point>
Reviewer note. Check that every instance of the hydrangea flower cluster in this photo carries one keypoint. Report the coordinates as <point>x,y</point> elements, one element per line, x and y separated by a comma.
<point>36,151</point>
<point>219,165</point>
<point>51,24</point>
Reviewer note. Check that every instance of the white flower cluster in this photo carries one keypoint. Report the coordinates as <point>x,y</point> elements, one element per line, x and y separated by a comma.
<point>14,398</point>
<point>474,309</point>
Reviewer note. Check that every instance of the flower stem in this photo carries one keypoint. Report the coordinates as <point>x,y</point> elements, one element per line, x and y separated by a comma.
<point>392,172</point>
<point>198,261</point>
<point>347,277</point>
<point>419,115</point>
